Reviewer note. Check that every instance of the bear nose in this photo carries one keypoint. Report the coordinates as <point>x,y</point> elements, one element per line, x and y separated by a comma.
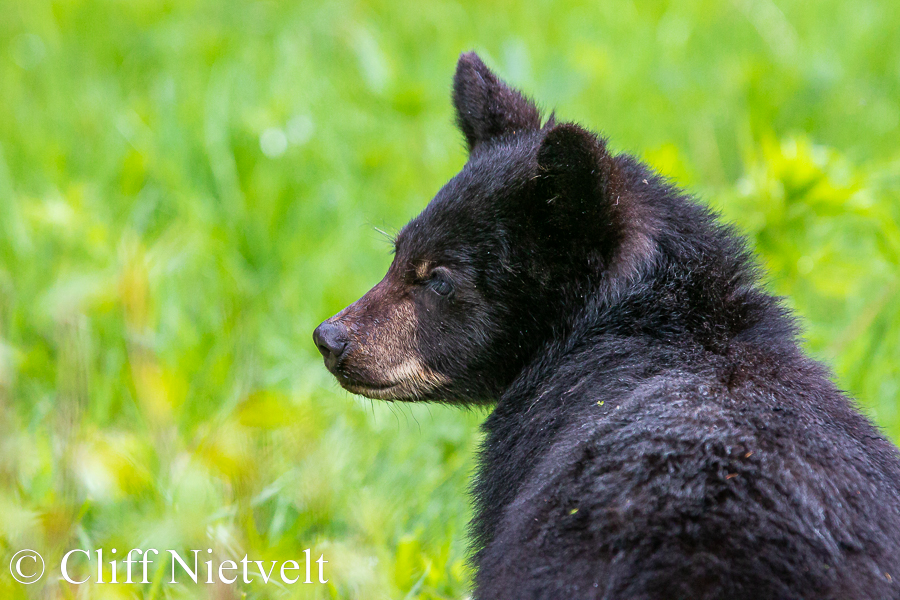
<point>331,339</point>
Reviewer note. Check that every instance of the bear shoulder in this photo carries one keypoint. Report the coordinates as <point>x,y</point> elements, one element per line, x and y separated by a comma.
<point>682,470</point>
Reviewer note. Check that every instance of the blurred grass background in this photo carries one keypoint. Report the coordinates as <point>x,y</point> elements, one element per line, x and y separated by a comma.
<point>188,187</point>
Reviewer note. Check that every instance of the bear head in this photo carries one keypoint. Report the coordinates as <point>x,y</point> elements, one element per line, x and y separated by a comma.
<point>493,269</point>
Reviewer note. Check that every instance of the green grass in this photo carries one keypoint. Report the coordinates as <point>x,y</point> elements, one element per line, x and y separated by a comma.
<point>187,188</point>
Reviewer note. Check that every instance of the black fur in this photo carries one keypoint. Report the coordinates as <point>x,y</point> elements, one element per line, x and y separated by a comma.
<point>658,433</point>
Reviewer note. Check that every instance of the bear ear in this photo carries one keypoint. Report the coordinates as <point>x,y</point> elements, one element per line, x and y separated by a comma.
<point>486,107</point>
<point>569,158</point>
<point>579,184</point>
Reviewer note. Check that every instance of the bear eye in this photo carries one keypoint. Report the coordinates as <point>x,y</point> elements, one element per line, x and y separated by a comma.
<point>440,283</point>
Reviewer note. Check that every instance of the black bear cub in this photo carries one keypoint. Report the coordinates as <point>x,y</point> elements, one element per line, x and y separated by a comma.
<point>657,431</point>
